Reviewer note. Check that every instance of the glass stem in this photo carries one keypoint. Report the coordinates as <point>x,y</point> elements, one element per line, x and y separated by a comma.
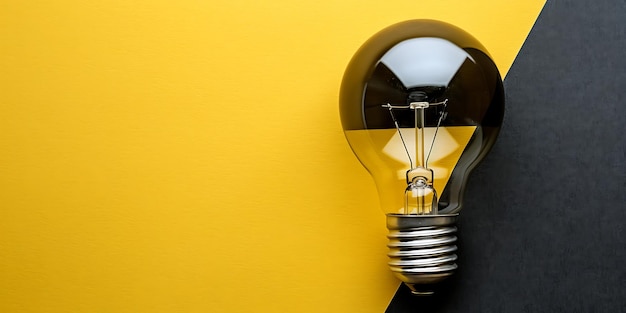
<point>419,137</point>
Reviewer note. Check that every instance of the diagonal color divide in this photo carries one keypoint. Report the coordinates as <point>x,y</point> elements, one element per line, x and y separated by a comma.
<point>186,156</point>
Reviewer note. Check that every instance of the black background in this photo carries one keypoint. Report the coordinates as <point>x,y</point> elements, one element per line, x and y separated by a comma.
<point>542,229</point>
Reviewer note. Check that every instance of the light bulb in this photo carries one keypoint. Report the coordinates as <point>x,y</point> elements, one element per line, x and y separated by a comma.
<point>421,104</point>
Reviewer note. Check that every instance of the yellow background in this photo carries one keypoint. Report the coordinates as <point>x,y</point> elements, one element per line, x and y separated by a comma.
<point>187,156</point>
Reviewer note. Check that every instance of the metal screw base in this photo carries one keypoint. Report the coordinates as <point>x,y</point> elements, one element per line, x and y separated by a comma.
<point>422,249</point>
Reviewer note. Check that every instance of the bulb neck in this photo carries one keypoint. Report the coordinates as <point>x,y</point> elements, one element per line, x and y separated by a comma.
<point>422,249</point>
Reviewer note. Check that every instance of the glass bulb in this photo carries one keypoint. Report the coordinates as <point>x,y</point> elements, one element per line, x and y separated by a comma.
<point>421,104</point>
